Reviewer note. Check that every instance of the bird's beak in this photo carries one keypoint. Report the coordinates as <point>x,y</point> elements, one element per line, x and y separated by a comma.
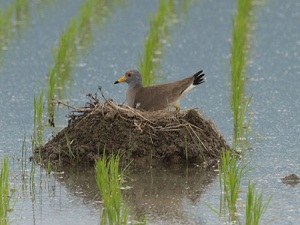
<point>122,79</point>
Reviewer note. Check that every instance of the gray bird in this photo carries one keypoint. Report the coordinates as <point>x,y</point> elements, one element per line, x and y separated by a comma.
<point>158,97</point>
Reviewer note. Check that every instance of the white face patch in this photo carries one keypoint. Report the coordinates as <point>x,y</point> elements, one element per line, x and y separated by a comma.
<point>137,104</point>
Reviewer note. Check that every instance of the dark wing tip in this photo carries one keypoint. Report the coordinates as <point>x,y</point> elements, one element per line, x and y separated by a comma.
<point>199,78</point>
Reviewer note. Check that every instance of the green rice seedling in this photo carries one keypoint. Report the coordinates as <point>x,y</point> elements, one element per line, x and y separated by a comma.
<point>5,194</point>
<point>5,21</point>
<point>50,94</point>
<point>18,10</point>
<point>21,11</point>
<point>231,174</point>
<point>239,50</point>
<point>35,110</point>
<point>23,158</point>
<point>153,43</point>
<point>49,168</point>
<point>5,27</point>
<point>184,6</point>
<point>41,5</point>
<point>63,58</point>
<point>76,37</point>
<point>66,56</point>
<point>91,13</point>
<point>85,22</point>
<point>255,208</point>
<point>38,110</point>
<point>109,181</point>
<point>71,154</point>
<point>32,173</point>
<point>158,34</point>
<point>32,181</point>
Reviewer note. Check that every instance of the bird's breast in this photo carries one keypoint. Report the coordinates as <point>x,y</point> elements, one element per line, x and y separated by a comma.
<point>130,97</point>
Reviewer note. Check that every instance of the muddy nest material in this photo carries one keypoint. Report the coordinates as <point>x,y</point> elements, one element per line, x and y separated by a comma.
<point>144,137</point>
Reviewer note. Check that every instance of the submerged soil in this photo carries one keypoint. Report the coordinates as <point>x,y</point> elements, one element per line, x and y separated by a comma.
<point>291,180</point>
<point>146,138</point>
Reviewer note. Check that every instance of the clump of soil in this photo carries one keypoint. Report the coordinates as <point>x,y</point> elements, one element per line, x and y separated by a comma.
<point>291,180</point>
<point>144,137</point>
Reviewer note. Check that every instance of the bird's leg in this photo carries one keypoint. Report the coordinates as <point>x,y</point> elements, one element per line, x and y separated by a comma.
<point>177,107</point>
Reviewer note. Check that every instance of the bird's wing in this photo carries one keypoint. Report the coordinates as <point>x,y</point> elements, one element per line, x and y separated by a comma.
<point>161,96</point>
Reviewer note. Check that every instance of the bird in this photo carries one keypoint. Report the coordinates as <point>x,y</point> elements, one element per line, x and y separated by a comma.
<point>157,97</point>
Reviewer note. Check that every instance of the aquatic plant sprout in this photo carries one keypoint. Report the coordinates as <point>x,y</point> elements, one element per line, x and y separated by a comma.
<point>232,171</point>
<point>239,50</point>
<point>5,193</point>
<point>153,42</point>
<point>255,208</point>
<point>38,109</point>
<point>109,181</point>
<point>75,38</point>
<point>10,20</point>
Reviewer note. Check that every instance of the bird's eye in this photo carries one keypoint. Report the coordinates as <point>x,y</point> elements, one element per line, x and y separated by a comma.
<point>129,75</point>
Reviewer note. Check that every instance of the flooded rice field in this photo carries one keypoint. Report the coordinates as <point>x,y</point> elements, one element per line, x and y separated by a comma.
<point>199,38</point>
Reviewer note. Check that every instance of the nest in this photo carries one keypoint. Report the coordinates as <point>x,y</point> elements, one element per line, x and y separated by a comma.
<point>142,137</point>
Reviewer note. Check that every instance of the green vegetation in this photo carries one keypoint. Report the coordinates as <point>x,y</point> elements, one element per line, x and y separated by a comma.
<point>38,109</point>
<point>5,194</point>
<point>231,174</point>
<point>11,17</point>
<point>239,50</point>
<point>22,12</point>
<point>49,168</point>
<point>15,15</point>
<point>5,26</point>
<point>75,38</point>
<point>160,23</point>
<point>255,209</point>
<point>23,158</point>
<point>154,42</point>
<point>6,21</point>
<point>63,58</point>
<point>78,36</point>
<point>115,210</point>
<point>32,179</point>
<point>231,170</point>
<point>70,153</point>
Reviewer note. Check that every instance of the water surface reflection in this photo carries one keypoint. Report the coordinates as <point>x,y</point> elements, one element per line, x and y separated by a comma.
<point>163,194</point>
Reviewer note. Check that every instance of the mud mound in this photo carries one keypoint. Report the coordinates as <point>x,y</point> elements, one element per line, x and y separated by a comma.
<point>144,137</point>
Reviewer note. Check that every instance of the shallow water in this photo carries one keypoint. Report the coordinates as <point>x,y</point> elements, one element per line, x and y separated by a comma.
<point>200,40</point>
<point>274,82</point>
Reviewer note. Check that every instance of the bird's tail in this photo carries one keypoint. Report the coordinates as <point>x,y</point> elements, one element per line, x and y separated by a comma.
<point>199,78</point>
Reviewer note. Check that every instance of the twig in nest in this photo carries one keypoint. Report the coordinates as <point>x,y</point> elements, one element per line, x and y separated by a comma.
<point>189,125</point>
<point>70,106</point>
<point>96,100</point>
<point>102,94</point>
